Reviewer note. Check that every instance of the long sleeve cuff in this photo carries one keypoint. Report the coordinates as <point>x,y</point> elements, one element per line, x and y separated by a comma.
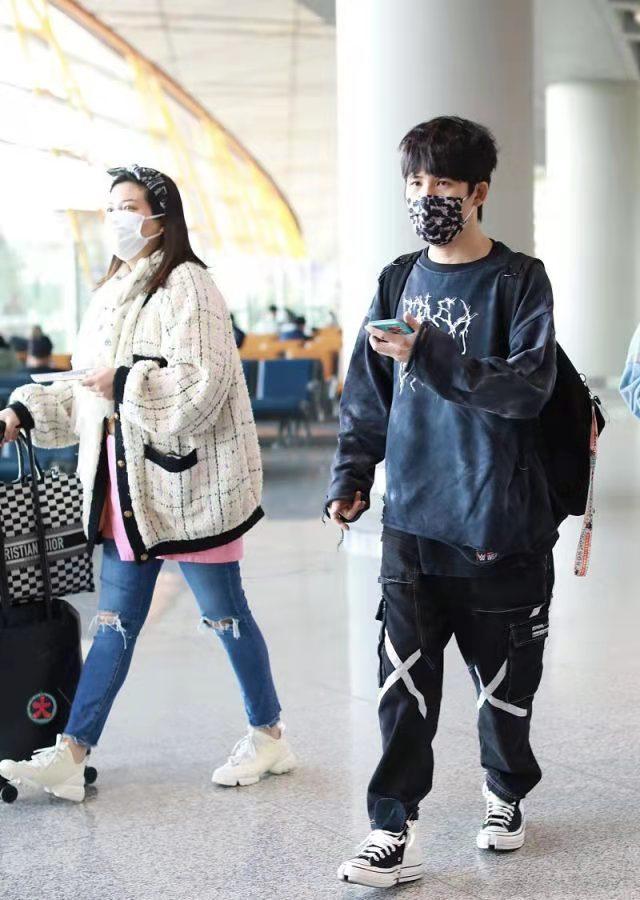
<point>26,419</point>
<point>330,498</point>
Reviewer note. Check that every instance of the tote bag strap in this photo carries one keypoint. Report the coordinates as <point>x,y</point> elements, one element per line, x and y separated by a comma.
<point>4,577</point>
<point>35,480</point>
<point>21,449</point>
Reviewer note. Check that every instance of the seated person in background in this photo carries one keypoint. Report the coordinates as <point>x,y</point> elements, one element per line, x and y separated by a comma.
<point>37,334</point>
<point>8,359</point>
<point>269,322</point>
<point>294,331</point>
<point>18,344</point>
<point>39,356</point>
<point>238,333</point>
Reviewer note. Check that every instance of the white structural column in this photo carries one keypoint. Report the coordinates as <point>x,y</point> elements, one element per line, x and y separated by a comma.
<point>588,232</point>
<point>401,62</point>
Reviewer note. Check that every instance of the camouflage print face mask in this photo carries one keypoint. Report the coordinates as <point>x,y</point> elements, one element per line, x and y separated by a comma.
<point>437,220</point>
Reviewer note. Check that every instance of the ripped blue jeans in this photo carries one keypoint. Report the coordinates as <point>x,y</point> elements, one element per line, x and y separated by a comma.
<point>125,598</point>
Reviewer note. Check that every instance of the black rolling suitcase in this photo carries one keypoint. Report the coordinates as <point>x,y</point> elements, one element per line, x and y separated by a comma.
<point>40,658</point>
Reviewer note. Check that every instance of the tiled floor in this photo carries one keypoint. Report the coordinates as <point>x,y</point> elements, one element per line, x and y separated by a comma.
<point>154,826</point>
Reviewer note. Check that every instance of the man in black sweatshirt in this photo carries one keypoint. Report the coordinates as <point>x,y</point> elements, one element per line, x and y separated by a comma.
<point>468,526</point>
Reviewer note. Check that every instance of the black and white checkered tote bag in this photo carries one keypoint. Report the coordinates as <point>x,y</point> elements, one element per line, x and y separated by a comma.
<point>69,563</point>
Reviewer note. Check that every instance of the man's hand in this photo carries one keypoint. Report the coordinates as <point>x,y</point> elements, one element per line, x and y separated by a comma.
<point>346,509</point>
<point>100,382</point>
<point>397,346</point>
<point>11,426</point>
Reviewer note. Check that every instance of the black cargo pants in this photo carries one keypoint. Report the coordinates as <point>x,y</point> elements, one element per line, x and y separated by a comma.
<point>500,623</point>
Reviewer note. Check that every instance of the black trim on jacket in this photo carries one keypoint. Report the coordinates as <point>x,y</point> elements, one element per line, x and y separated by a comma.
<point>169,461</point>
<point>162,362</point>
<point>124,494</point>
<point>119,380</point>
<point>26,419</point>
<point>99,496</point>
<point>208,543</point>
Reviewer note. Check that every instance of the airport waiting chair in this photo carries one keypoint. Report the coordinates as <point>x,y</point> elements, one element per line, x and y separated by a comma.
<point>9,381</point>
<point>250,370</point>
<point>61,361</point>
<point>285,393</point>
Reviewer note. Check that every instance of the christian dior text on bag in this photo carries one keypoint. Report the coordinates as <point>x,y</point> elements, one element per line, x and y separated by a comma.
<point>59,521</point>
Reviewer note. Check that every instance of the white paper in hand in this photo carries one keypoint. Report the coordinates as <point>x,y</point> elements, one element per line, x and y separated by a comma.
<point>73,375</point>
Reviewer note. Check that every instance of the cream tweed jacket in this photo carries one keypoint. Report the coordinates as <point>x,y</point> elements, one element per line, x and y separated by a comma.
<point>189,472</point>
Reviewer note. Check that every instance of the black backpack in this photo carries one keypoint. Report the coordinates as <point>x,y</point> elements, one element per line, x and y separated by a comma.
<point>567,419</point>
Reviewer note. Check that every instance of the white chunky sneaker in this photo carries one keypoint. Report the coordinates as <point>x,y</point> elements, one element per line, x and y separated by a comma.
<point>253,756</point>
<point>52,768</point>
<point>503,826</point>
<point>385,859</point>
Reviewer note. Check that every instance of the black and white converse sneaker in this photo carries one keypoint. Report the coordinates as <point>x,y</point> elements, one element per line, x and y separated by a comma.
<point>385,858</point>
<point>503,826</point>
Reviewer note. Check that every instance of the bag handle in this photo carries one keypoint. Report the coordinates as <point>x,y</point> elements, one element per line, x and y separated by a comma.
<point>37,509</point>
<point>4,577</point>
<point>22,447</point>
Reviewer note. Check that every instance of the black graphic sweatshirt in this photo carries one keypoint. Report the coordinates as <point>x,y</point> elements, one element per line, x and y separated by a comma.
<point>457,425</point>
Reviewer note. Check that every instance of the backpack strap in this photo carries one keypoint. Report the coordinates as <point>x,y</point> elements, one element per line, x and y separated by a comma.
<point>392,280</point>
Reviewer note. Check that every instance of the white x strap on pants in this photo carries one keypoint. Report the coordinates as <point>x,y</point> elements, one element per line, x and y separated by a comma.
<point>401,672</point>
<point>486,693</point>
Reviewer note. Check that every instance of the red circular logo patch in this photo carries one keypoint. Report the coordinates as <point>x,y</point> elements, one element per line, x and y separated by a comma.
<point>42,708</point>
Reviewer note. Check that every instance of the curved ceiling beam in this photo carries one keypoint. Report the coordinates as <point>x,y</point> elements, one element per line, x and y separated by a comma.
<point>113,40</point>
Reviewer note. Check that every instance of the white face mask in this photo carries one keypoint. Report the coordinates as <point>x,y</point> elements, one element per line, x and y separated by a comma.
<point>124,233</point>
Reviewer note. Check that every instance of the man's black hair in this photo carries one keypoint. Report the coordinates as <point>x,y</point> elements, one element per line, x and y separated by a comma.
<point>450,147</point>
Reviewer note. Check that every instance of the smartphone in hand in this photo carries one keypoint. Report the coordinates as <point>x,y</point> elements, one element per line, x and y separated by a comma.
<point>394,326</point>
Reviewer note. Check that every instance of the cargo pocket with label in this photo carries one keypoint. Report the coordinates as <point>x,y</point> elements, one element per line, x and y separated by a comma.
<point>394,591</point>
<point>380,617</point>
<point>526,648</point>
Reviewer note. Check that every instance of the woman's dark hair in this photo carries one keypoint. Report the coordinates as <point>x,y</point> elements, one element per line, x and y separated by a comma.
<point>176,247</point>
<point>450,147</point>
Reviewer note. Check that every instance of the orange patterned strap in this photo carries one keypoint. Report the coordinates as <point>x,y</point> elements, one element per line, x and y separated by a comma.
<point>586,535</point>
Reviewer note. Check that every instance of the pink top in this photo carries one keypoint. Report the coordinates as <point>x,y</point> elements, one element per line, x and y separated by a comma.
<point>113,526</point>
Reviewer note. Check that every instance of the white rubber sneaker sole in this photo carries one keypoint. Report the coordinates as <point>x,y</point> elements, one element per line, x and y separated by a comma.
<point>72,789</point>
<point>228,779</point>
<point>487,840</point>
<point>354,874</point>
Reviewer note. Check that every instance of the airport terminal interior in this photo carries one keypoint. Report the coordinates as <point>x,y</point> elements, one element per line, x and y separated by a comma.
<point>280,120</point>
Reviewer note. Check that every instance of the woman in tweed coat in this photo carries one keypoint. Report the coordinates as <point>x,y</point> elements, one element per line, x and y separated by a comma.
<point>170,466</point>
